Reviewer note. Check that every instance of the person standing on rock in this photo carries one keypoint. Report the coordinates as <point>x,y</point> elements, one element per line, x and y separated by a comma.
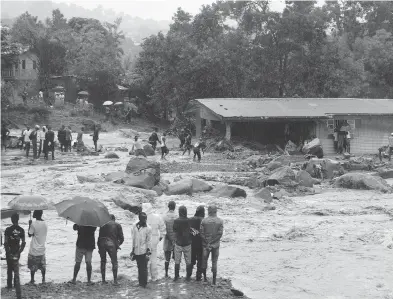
<point>196,247</point>
<point>153,139</point>
<point>36,259</point>
<point>137,148</point>
<point>95,135</point>
<point>85,245</point>
<point>141,244</point>
<point>61,136</point>
<point>4,136</point>
<point>26,135</point>
<point>169,241</point>
<point>164,148</point>
<point>182,230</point>
<point>157,234</point>
<point>212,229</point>
<point>109,241</point>
<point>68,138</point>
<point>50,143</point>
<point>14,244</point>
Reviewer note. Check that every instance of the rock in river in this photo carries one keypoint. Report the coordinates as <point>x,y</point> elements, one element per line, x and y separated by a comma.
<point>362,181</point>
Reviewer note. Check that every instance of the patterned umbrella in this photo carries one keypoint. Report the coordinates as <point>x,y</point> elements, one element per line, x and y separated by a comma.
<point>84,211</point>
<point>29,203</point>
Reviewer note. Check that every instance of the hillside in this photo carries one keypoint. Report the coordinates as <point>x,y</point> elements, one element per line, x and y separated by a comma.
<point>134,27</point>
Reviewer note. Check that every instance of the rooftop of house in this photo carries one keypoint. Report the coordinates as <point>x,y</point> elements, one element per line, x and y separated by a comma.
<point>261,108</point>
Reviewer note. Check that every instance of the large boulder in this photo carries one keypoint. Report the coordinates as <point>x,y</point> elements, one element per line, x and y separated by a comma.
<point>88,179</point>
<point>385,173</point>
<point>256,161</point>
<point>149,151</point>
<point>200,186</point>
<point>132,203</point>
<point>111,155</point>
<point>229,191</point>
<point>139,164</point>
<point>362,181</point>
<point>329,167</point>
<point>145,180</point>
<point>283,175</point>
<point>115,176</point>
<point>264,194</point>
<point>273,165</point>
<point>305,179</point>
<point>180,187</point>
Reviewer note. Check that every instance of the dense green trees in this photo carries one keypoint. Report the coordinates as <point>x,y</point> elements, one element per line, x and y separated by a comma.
<point>342,49</point>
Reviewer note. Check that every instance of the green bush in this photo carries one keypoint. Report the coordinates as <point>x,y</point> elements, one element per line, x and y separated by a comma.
<point>40,113</point>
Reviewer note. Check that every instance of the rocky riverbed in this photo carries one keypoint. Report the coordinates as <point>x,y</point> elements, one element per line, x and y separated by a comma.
<point>336,243</point>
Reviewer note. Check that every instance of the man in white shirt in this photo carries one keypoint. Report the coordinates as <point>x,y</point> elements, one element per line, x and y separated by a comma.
<point>36,259</point>
<point>141,244</point>
<point>26,139</point>
<point>137,148</point>
<point>158,231</point>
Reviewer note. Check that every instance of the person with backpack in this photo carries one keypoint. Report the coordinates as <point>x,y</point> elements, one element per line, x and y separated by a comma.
<point>153,139</point>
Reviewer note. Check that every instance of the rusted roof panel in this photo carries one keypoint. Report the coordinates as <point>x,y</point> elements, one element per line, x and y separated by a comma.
<point>296,107</point>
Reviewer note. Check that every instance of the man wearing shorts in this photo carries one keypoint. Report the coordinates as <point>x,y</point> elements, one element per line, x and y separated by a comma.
<point>36,259</point>
<point>109,241</point>
<point>85,245</point>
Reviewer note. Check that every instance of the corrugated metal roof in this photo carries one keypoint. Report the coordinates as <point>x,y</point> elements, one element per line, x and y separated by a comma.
<point>295,107</point>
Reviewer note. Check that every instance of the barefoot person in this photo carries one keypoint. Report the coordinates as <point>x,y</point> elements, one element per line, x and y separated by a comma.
<point>196,246</point>
<point>141,244</point>
<point>109,240</point>
<point>95,136</point>
<point>38,230</point>
<point>211,232</point>
<point>14,244</point>
<point>85,246</point>
<point>182,230</point>
<point>157,234</point>
<point>169,240</point>
<point>164,148</point>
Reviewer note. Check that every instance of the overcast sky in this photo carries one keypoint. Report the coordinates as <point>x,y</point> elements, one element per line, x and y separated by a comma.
<point>157,9</point>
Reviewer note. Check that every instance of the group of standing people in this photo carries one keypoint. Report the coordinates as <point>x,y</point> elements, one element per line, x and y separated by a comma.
<point>194,238</point>
<point>186,144</point>
<point>154,140</point>
<point>39,140</point>
<point>342,138</point>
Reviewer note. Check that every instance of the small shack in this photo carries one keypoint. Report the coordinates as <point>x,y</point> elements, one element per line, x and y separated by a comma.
<point>277,120</point>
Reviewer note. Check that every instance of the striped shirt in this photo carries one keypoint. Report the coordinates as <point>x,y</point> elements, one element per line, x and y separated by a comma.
<point>141,239</point>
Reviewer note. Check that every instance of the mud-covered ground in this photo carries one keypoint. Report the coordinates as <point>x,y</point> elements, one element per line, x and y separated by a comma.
<point>334,244</point>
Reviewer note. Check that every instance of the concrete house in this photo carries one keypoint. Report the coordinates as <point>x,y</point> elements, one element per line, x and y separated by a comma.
<point>25,70</point>
<point>275,121</point>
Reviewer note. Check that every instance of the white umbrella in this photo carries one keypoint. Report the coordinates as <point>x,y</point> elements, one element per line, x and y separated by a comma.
<point>107,103</point>
<point>119,103</point>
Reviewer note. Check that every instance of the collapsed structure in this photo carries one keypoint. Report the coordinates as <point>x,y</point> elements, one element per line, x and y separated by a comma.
<point>279,120</point>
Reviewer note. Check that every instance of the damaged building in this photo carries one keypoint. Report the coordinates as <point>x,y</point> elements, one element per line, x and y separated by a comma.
<point>279,120</point>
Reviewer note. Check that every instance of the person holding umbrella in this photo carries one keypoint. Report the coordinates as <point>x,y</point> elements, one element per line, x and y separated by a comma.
<point>36,259</point>
<point>14,244</point>
<point>85,246</point>
<point>109,241</point>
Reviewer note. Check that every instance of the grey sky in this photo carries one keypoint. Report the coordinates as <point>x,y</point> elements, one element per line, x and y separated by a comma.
<point>157,9</point>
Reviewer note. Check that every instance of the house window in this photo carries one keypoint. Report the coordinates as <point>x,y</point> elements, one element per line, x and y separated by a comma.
<point>34,64</point>
<point>23,64</point>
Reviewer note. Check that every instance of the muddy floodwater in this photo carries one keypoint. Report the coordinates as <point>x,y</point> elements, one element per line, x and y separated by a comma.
<point>334,244</point>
